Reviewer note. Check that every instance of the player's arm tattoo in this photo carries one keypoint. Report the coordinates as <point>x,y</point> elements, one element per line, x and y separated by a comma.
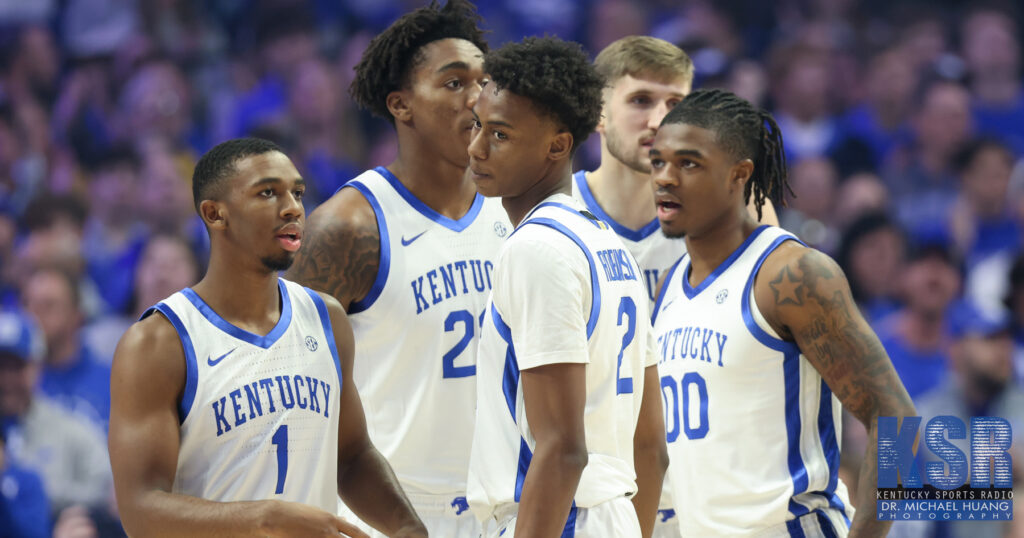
<point>813,303</point>
<point>339,256</point>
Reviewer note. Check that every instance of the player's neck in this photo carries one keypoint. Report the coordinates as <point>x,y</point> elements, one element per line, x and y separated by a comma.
<point>245,295</point>
<point>442,185</point>
<point>558,180</point>
<point>710,248</point>
<point>623,193</point>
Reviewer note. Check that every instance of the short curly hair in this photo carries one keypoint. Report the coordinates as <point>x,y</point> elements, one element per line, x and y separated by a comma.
<point>556,76</point>
<point>390,57</point>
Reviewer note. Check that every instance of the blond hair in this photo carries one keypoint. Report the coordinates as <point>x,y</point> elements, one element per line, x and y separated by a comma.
<point>644,56</point>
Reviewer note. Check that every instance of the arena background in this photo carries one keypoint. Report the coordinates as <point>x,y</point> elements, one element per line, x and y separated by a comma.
<point>903,121</point>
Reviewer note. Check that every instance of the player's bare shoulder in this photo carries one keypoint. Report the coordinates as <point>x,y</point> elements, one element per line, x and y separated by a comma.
<point>797,283</point>
<point>340,248</point>
<point>149,350</point>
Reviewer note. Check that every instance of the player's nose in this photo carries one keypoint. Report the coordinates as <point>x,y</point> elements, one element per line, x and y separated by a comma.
<point>477,147</point>
<point>291,207</point>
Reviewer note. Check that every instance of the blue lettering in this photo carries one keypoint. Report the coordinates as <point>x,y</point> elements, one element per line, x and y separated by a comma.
<point>948,452</point>
<point>692,343</point>
<point>675,340</point>
<point>327,397</point>
<point>218,416</point>
<point>990,458</point>
<point>627,267</point>
<point>288,402</point>
<point>266,383</point>
<point>705,353</point>
<point>253,396</point>
<point>417,293</point>
<point>433,287</point>
<point>298,395</point>
<point>721,346</point>
<point>652,281</point>
<point>448,277</point>
<point>235,395</point>
<point>461,266</point>
<point>488,267</point>
<point>314,402</point>
<point>478,274</point>
<point>896,453</point>
<point>602,255</point>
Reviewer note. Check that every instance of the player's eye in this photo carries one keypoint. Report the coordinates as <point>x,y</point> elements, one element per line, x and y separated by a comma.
<point>673,103</point>
<point>500,135</point>
<point>299,193</point>
<point>453,84</point>
<point>687,163</point>
<point>477,125</point>
<point>657,163</point>
<point>640,100</point>
<point>267,192</point>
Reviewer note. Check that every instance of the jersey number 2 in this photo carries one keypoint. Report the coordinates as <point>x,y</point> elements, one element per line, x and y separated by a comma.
<point>624,385</point>
<point>280,439</point>
<point>448,368</point>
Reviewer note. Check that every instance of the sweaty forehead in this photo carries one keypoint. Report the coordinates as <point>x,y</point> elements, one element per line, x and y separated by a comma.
<point>273,164</point>
<point>685,137</point>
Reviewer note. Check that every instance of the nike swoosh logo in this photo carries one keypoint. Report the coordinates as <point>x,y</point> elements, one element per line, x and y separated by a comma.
<point>213,362</point>
<point>664,306</point>
<point>408,242</point>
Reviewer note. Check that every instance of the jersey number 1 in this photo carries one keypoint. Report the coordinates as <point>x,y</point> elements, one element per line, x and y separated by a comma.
<point>280,439</point>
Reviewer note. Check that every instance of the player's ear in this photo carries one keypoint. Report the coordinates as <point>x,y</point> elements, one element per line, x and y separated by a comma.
<point>398,105</point>
<point>213,214</point>
<point>561,146</point>
<point>741,173</point>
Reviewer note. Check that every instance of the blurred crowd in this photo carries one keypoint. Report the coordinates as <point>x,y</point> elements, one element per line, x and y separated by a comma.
<point>904,124</point>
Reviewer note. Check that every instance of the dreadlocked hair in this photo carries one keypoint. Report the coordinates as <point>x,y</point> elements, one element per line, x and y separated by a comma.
<point>745,132</point>
<point>392,55</point>
<point>556,76</point>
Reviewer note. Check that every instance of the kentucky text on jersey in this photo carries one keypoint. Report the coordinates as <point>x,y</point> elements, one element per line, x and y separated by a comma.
<point>302,391</point>
<point>692,342</point>
<point>616,264</point>
<point>445,282</point>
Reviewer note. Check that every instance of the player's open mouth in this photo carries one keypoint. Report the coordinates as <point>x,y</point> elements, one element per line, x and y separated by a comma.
<point>290,237</point>
<point>667,208</point>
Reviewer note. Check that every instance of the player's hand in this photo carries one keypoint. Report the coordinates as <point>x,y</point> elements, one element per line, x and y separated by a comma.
<point>286,519</point>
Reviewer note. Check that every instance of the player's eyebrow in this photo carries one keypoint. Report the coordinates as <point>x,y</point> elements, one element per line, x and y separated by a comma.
<point>269,180</point>
<point>453,65</point>
<point>679,153</point>
<point>493,122</point>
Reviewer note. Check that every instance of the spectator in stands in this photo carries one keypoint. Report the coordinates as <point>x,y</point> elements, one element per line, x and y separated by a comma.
<point>810,215</point>
<point>872,253</point>
<point>113,235</point>
<point>71,375</point>
<point>991,49</point>
<point>882,120</point>
<point>68,452</point>
<point>981,385</point>
<point>24,508</point>
<point>917,336</point>
<point>920,174</point>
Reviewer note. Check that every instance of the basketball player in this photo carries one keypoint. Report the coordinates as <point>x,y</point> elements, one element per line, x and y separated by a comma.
<point>234,410</point>
<point>567,373</point>
<point>758,335</point>
<point>408,249</point>
<point>646,77</point>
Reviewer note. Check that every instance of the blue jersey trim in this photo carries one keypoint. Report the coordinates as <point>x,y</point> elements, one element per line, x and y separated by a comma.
<point>426,211</point>
<point>384,266</point>
<point>794,461</point>
<point>830,447</point>
<point>595,290</point>
<point>760,334</point>
<point>261,341</point>
<point>794,528</point>
<point>661,296</point>
<point>692,292</point>
<point>325,322</point>
<point>509,387</point>
<point>570,209</point>
<point>570,523</point>
<point>188,396</point>
<point>825,524</point>
<point>592,205</point>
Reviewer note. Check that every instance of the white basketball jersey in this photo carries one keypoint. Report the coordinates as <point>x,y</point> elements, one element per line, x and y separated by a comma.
<point>616,347</point>
<point>653,251</point>
<point>260,413</point>
<point>416,332</point>
<point>753,430</point>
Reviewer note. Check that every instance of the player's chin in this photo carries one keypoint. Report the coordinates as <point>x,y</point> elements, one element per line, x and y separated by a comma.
<point>486,186</point>
<point>279,261</point>
<point>672,229</point>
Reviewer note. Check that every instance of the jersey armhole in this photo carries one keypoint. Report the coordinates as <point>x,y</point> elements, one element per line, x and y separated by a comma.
<point>325,322</point>
<point>664,287</point>
<point>755,321</point>
<point>188,396</point>
<point>384,266</point>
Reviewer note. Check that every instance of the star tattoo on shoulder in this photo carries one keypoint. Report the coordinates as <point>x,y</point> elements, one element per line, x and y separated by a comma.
<point>787,288</point>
